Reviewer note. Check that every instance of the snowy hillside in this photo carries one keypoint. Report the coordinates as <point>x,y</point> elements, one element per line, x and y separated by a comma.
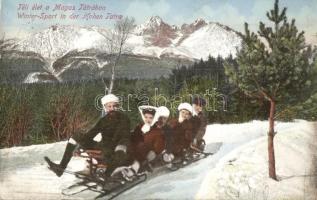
<point>37,77</point>
<point>217,41</point>
<point>56,41</point>
<point>238,169</point>
<point>243,172</point>
<point>153,38</point>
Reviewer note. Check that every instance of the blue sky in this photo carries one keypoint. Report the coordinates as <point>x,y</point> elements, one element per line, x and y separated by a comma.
<point>229,12</point>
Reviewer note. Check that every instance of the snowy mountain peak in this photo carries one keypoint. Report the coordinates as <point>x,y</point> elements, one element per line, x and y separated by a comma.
<point>153,25</point>
<point>190,28</point>
<point>156,38</point>
<point>157,32</point>
<point>155,20</point>
<point>57,40</point>
<point>199,22</point>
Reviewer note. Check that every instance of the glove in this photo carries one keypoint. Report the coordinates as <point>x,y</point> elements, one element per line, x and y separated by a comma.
<point>151,156</point>
<point>168,157</point>
<point>124,171</point>
<point>127,172</point>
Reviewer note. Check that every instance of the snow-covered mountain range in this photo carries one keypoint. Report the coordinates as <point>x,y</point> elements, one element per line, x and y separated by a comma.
<point>153,49</point>
<point>154,38</point>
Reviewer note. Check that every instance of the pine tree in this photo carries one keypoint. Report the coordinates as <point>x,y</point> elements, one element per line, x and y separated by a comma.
<point>273,64</point>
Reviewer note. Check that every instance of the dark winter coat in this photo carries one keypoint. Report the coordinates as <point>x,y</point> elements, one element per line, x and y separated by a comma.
<point>168,135</point>
<point>115,130</point>
<point>182,135</point>
<point>143,143</point>
<point>199,126</point>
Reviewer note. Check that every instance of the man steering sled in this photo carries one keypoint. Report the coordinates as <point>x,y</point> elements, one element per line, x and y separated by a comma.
<point>111,135</point>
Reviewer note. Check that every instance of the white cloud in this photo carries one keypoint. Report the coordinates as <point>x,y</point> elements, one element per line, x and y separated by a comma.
<point>141,9</point>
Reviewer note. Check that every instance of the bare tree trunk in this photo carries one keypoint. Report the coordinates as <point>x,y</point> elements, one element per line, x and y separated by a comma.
<point>112,80</point>
<point>114,67</point>
<point>271,134</point>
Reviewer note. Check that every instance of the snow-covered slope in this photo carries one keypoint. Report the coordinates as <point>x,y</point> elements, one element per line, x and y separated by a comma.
<point>40,77</point>
<point>56,41</point>
<point>243,172</point>
<point>193,41</point>
<point>153,38</point>
<point>217,41</point>
<point>237,171</point>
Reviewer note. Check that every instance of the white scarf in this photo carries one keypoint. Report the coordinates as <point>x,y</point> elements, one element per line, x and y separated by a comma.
<point>146,128</point>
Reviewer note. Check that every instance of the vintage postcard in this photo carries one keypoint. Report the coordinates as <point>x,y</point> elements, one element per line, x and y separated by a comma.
<point>158,99</point>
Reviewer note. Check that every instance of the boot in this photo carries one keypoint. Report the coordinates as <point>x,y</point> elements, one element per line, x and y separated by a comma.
<point>146,167</point>
<point>58,169</point>
<point>202,145</point>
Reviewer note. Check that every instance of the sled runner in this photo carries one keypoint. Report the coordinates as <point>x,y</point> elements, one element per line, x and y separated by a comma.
<point>94,178</point>
<point>193,155</point>
<point>107,188</point>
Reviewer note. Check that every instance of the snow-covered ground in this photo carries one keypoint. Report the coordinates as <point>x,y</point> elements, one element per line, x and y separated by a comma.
<point>237,171</point>
<point>243,172</point>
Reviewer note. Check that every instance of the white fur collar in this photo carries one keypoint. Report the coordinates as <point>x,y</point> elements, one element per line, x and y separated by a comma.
<point>146,128</point>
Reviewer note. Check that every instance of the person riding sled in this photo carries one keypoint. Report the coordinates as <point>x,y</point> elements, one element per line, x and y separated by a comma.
<point>111,135</point>
<point>200,123</point>
<point>182,130</point>
<point>147,139</point>
<point>162,115</point>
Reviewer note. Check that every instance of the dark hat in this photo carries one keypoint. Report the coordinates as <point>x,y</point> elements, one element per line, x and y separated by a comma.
<point>148,111</point>
<point>199,101</point>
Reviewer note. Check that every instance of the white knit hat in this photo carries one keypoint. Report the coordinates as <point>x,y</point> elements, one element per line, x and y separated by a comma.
<point>109,98</point>
<point>185,106</point>
<point>162,111</point>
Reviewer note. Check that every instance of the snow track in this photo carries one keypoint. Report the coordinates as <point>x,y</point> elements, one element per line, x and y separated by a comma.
<point>24,174</point>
